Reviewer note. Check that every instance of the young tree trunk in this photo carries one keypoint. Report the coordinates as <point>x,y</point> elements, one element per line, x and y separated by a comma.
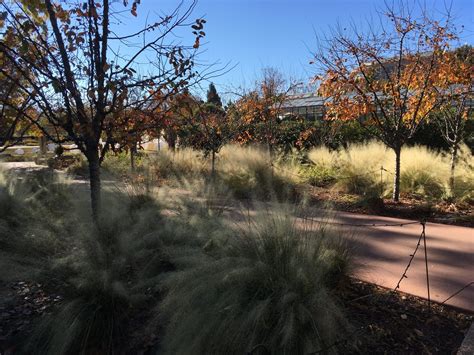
<point>270,155</point>
<point>43,145</point>
<point>213,164</point>
<point>132,158</point>
<point>170,138</point>
<point>396,179</point>
<point>454,158</point>
<point>95,185</point>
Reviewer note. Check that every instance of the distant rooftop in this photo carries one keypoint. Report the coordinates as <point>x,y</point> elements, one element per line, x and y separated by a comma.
<point>303,100</point>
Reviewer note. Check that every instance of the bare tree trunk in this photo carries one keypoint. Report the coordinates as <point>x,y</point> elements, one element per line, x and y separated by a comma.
<point>170,138</point>
<point>42,145</point>
<point>454,158</point>
<point>270,154</point>
<point>95,184</point>
<point>213,164</point>
<point>396,179</point>
<point>132,158</point>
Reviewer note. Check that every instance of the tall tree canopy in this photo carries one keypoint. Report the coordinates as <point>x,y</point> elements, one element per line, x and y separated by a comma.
<point>67,59</point>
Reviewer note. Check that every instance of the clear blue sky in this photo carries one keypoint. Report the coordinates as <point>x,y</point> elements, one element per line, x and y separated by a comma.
<point>253,34</point>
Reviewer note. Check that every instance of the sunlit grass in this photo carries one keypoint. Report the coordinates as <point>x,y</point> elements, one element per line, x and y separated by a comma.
<point>272,286</point>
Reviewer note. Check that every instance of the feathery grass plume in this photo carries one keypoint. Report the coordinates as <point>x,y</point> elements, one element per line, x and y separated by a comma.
<point>106,276</point>
<point>182,163</point>
<point>426,173</point>
<point>249,172</point>
<point>353,169</point>
<point>423,172</point>
<point>359,168</point>
<point>464,177</point>
<point>321,169</point>
<point>274,284</point>
<point>323,157</point>
<point>35,220</point>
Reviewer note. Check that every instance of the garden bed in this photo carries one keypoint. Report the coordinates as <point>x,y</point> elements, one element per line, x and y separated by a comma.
<point>396,323</point>
<point>383,321</point>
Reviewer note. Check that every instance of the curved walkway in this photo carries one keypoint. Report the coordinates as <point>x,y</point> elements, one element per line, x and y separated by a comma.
<point>382,254</point>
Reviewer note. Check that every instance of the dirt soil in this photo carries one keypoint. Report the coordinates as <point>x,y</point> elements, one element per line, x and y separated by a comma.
<point>395,323</point>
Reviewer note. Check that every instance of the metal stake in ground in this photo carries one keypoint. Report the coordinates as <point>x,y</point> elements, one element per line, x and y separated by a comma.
<point>423,223</point>
<point>381,181</point>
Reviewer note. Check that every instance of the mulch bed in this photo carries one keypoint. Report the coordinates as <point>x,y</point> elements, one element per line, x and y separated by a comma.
<point>395,323</point>
<point>22,303</point>
<point>383,322</point>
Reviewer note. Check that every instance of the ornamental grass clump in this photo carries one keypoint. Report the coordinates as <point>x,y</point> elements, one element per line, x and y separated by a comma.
<point>184,163</point>
<point>425,173</point>
<point>250,172</point>
<point>105,274</point>
<point>273,286</point>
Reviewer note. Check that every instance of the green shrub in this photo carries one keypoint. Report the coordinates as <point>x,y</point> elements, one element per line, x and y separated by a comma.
<point>355,181</point>
<point>274,284</point>
<point>79,167</point>
<point>318,175</point>
<point>241,183</point>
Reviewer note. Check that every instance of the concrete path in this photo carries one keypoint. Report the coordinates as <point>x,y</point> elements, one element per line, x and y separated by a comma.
<point>382,254</point>
<point>22,165</point>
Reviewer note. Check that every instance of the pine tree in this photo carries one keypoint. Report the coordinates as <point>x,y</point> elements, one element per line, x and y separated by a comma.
<point>213,96</point>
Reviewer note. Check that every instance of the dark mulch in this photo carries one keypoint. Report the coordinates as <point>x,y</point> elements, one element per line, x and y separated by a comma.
<point>21,304</point>
<point>383,322</point>
<point>395,323</point>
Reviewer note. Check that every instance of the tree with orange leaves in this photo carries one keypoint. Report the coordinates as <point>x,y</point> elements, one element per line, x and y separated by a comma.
<point>203,125</point>
<point>259,113</point>
<point>385,79</point>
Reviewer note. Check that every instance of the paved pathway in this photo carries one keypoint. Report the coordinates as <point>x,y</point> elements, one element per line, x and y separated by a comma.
<point>22,165</point>
<point>382,254</point>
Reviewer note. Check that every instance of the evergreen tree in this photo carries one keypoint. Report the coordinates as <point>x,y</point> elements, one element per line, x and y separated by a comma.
<point>213,96</point>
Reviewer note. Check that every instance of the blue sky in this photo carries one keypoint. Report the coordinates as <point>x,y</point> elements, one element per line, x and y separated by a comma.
<point>252,34</point>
